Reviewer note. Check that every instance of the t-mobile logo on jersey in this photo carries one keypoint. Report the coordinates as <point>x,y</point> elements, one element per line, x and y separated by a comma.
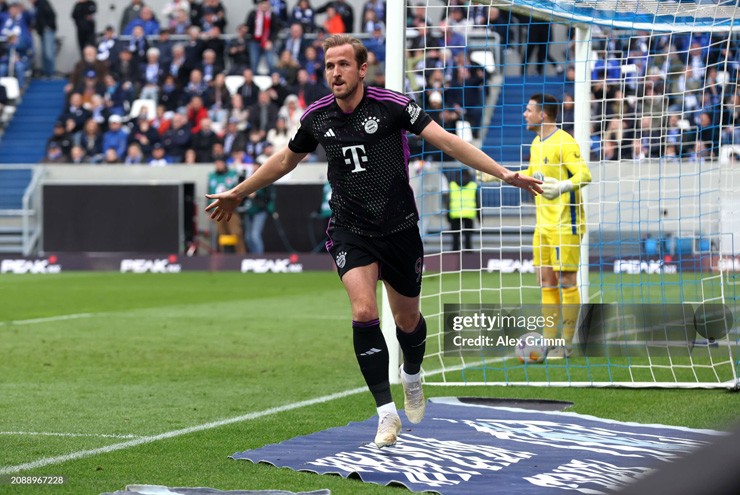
<point>356,157</point>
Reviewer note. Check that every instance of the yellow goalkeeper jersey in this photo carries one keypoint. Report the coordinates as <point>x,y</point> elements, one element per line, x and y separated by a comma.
<point>559,156</point>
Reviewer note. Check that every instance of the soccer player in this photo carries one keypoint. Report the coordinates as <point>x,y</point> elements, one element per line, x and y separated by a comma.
<point>555,158</point>
<point>373,231</point>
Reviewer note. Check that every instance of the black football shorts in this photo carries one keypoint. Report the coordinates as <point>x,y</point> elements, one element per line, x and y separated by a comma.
<point>400,256</point>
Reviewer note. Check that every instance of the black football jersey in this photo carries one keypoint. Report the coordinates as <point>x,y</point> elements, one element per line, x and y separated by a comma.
<point>368,155</point>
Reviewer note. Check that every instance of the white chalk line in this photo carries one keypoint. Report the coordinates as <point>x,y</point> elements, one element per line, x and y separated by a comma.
<point>48,461</point>
<point>60,434</point>
<point>47,319</point>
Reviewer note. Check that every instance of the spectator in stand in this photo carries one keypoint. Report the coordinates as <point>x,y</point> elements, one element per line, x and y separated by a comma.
<point>333,24</point>
<point>210,66</point>
<point>90,139</point>
<point>171,8</point>
<point>116,98</point>
<point>220,99</point>
<point>303,14</point>
<point>233,138</point>
<point>108,45</point>
<point>238,50</point>
<point>144,135</point>
<point>262,115</point>
<point>369,20</point>
<point>15,49</point>
<point>569,116</point>
<point>84,18</point>
<point>111,157</point>
<point>296,43</point>
<point>180,23</point>
<point>77,156</point>
<point>195,87</point>
<point>46,25</point>
<point>196,112</point>
<point>189,157</point>
<point>98,111</point>
<point>212,41</point>
<point>75,112</point>
<point>194,47</point>
<point>54,154</point>
<point>306,92</point>
<point>146,20</point>
<point>280,9</point>
<point>61,137</point>
<point>177,139</point>
<point>196,12</point>
<point>279,90</point>
<point>152,75</point>
<point>130,13</point>
<point>214,14</point>
<point>134,156</point>
<point>238,112</point>
<point>291,113</point>
<point>263,28</point>
<point>88,63</point>
<point>314,66</point>
<point>179,67</point>
<point>377,7</point>
<point>344,10</point>
<point>162,120</point>
<point>203,141</point>
<point>376,42</point>
<point>255,145</point>
<point>138,44</point>
<point>249,90</point>
<point>126,71</point>
<point>116,136</point>
<point>159,159</point>
<point>280,135</point>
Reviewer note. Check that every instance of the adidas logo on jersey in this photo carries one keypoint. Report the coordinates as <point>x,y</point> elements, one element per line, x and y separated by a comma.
<point>330,133</point>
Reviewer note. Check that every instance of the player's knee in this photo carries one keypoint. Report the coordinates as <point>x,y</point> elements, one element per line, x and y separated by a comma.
<point>364,311</point>
<point>407,322</point>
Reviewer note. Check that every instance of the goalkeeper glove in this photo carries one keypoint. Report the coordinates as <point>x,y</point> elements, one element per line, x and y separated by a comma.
<point>484,177</point>
<point>552,188</point>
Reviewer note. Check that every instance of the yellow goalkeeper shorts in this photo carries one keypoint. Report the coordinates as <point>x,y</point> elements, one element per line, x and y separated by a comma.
<point>556,249</point>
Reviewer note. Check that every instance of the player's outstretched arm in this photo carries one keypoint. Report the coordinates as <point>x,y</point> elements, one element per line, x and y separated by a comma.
<point>276,166</point>
<point>475,158</point>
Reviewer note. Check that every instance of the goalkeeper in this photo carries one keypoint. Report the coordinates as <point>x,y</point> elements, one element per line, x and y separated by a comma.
<point>555,158</point>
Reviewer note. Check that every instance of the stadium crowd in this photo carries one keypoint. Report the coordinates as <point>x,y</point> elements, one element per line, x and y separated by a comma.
<point>158,88</point>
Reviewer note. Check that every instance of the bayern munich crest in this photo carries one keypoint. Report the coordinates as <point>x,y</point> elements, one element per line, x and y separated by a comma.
<point>371,125</point>
<point>341,259</point>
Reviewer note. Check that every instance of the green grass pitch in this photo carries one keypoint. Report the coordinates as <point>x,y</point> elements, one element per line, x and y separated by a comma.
<point>145,355</point>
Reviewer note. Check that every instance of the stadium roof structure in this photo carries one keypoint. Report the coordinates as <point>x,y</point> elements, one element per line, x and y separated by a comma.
<point>653,15</point>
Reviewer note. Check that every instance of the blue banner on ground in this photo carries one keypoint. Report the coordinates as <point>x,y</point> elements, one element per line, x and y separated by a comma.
<point>463,449</point>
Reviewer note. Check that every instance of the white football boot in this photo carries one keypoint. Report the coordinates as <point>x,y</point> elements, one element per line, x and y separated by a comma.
<point>389,427</point>
<point>413,398</point>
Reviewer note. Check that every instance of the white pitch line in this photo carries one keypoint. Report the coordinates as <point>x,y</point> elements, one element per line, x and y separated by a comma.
<point>47,319</point>
<point>55,434</point>
<point>48,461</point>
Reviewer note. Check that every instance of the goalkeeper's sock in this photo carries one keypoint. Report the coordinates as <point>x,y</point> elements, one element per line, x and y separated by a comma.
<point>413,345</point>
<point>551,311</point>
<point>372,356</point>
<point>571,306</point>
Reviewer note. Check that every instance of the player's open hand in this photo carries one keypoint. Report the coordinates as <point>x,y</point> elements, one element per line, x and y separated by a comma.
<point>529,184</point>
<point>223,205</point>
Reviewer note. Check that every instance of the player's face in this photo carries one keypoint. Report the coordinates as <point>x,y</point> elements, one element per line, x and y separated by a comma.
<point>534,116</point>
<point>343,75</point>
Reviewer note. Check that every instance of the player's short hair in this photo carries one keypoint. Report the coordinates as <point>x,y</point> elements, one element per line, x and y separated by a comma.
<point>548,103</point>
<point>345,39</point>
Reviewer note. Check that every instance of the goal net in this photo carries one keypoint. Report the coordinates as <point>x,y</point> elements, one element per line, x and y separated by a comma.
<point>649,90</point>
